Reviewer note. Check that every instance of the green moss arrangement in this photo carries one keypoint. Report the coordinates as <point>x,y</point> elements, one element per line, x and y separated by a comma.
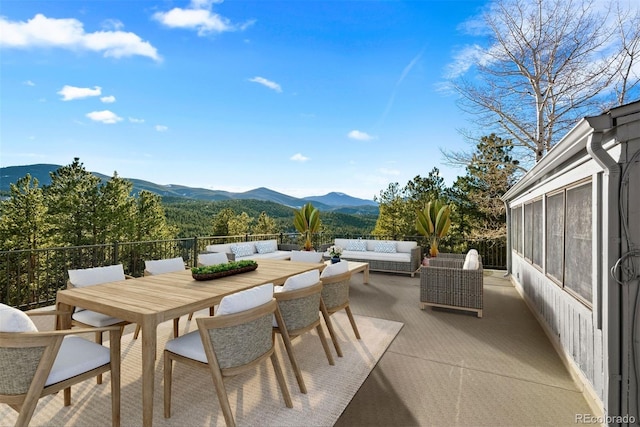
<point>228,266</point>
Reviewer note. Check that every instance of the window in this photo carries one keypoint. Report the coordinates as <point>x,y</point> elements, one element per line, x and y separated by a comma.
<point>578,231</point>
<point>528,230</point>
<point>516,229</point>
<point>537,232</point>
<point>555,236</point>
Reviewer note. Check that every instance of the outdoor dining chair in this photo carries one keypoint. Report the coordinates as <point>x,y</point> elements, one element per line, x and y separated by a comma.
<point>298,301</point>
<point>212,258</point>
<point>35,364</point>
<point>306,256</point>
<point>335,295</point>
<point>238,338</point>
<point>162,266</point>
<point>79,278</point>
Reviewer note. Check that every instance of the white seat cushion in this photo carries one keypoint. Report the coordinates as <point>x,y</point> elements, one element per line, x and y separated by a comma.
<point>161,266</point>
<point>188,345</point>
<point>96,275</point>
<point>76,356</point>
<point>94,319</point>
<point>335,269</point>
<point>302,280</point>
<point>306,256</point>
<point>245,300</point>
<point>14,320</point>
<point>213,258</point>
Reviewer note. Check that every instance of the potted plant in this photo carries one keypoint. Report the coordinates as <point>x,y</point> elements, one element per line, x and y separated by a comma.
<point>335,252</point>
<point>433,222</point>
<point>307,222</point>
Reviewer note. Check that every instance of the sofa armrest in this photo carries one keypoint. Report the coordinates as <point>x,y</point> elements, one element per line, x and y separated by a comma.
<point>416,258</point>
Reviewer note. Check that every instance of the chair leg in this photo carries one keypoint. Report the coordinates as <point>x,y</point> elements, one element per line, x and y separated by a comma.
<point>332,333</point>
<point>223,398</point>
<point>352,321</point>
<point>283,385</point>
<point>175,327</point>
<point>137,332</point>
<point>190,317</point>
<point>292,358</point>
<point>168,369</point>
<point>99,377</point>
<point>325,345</point>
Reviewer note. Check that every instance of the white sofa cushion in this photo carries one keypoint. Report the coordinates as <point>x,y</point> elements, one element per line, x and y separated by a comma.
<point>14,320</point>
<point>221,247</point>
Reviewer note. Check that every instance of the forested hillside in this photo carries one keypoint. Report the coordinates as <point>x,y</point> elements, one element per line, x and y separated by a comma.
<point>197,217</point>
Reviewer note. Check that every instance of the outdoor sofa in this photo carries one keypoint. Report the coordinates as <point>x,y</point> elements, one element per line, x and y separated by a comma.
<point>260,249</point>
<point>394,256</point>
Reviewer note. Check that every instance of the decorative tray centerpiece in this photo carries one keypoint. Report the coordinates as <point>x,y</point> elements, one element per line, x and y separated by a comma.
<point>216,271</point>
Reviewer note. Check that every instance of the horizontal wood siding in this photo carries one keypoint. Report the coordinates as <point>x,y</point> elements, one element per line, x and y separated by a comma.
<point>567,320</point>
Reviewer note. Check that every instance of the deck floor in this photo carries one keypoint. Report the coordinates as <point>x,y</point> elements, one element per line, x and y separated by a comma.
<point>450,368</point>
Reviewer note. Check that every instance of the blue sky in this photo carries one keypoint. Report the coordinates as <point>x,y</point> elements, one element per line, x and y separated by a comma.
<point>303,97</point>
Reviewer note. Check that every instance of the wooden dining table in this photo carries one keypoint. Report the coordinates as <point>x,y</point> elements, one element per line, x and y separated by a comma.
<point>151,300</point>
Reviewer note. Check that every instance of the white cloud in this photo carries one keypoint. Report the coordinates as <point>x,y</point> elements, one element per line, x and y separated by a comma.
<point>134,120</point>
<point>105,116</point>
<point>29,83</point>
<point>268,83</point>
<point>298,157</point>
<point>199,16</point>
<point>360,136</point>
<point>69,33</point>
<point>387,171</point>
<point>161,128</point>
<point>108,99</point>
<point>70,93</point>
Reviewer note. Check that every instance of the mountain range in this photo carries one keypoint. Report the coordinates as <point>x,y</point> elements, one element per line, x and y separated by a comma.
<point>329,202</point>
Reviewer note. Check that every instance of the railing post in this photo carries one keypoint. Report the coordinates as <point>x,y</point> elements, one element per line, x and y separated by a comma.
<point>195,252</point>
<point>115,253</point>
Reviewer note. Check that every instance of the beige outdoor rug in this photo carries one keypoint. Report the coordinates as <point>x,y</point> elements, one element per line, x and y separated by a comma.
<point>254,396</point>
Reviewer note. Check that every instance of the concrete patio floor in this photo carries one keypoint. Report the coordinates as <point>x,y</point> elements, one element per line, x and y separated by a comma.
<point>450,368</point>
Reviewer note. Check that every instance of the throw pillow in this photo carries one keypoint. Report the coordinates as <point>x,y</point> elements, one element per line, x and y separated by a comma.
<point>385,247</point>
<point>14,320</point>
<point>266,247</point>
<point>245,300</point>
<point>244,249</point>
<point>356,245</point>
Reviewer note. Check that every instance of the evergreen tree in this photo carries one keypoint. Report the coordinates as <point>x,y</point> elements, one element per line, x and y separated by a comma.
<point>265,225</point>
<point>150,221</point>
<point>221,222</point>
<point>491,172</point>
<point>72,200</point>
<point>116,211</point>
<point>23,216</point>
<point>395,218</point>
<point>239,224</point>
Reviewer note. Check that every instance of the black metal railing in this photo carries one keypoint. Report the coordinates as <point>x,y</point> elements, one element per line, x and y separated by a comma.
<point>31,278</point>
